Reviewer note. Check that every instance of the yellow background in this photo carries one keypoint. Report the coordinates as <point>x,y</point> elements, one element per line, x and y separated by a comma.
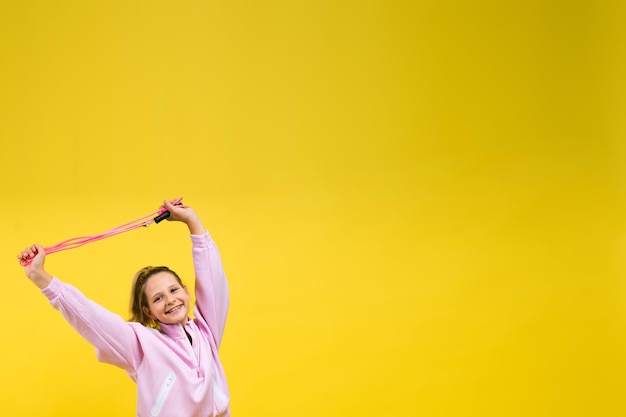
<point>419,205</point>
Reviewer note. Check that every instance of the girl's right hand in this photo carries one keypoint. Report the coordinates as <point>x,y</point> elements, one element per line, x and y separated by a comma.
<point>35,270</point>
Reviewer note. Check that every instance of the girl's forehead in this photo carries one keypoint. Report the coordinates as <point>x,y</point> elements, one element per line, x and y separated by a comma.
<point>161,279</point>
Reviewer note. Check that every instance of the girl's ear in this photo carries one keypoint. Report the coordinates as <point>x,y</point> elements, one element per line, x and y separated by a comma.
<point>147,312</point>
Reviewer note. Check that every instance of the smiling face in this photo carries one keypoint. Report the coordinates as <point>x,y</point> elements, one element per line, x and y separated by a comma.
<point>168,300</point>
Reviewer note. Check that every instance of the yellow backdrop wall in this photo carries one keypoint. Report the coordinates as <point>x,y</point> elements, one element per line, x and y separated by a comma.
<point>419,205</point>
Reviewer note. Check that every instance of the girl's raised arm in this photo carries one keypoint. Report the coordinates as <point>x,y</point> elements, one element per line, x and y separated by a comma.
<point>212,293</point>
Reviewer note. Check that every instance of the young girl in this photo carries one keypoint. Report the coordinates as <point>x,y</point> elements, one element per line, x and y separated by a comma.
<point>172,358</point>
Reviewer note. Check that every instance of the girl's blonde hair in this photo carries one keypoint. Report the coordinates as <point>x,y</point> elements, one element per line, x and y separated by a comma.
<point>138,298</point>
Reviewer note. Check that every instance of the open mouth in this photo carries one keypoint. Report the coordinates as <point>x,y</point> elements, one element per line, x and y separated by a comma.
<point>174,309</point>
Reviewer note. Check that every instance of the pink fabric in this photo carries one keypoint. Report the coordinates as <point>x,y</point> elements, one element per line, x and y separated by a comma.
<point>174,377</point>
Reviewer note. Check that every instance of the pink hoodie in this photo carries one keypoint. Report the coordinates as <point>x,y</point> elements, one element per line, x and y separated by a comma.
<point>174,378</point>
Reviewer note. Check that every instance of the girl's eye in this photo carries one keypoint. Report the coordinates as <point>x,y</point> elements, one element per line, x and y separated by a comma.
<point>174,289</point>
<point>156,299</point>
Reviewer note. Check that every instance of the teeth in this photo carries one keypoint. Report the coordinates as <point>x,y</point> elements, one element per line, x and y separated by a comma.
<point>172,309</point>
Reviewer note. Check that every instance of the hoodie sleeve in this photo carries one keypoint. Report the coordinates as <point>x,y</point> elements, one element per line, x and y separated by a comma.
<point>114,339</point>
<point>212,294</point>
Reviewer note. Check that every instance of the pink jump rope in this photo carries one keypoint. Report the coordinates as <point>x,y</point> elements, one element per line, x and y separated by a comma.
<point>155,217</point>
